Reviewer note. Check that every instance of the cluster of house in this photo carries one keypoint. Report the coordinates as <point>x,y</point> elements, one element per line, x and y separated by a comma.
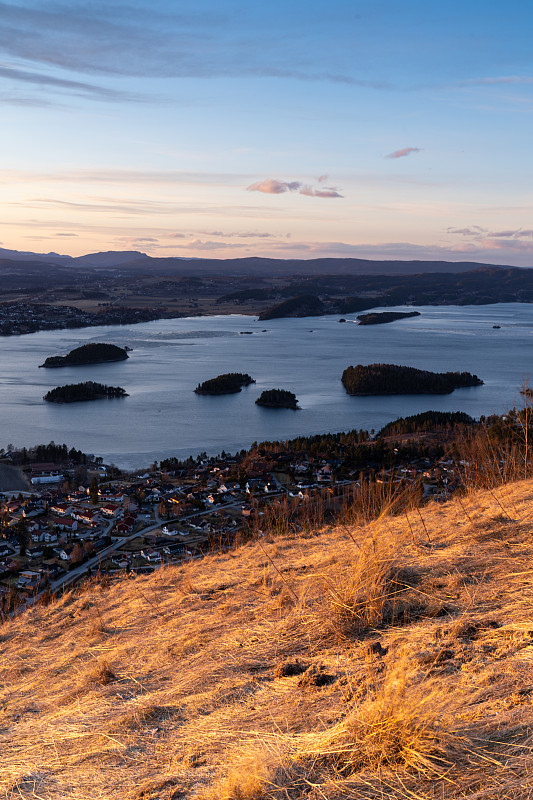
<point>438,480</point>
<point>50,530</point>
<point>185,511</point>
<point>17,318</point>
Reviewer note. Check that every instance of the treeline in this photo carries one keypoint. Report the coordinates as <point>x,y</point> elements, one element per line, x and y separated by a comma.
<point>322,444</point>
<point>394,379</point>
<point>425,422</point>
<point>485,453</point>
<point>48,453</point>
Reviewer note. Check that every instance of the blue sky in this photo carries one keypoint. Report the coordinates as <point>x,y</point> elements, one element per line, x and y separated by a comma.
<point>373,129</point>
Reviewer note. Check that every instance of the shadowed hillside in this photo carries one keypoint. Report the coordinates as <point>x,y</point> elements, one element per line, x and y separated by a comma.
<point>392,660</point>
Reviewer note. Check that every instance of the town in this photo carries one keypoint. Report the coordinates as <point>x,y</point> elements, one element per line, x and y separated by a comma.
<point>71,517</point>
<point>20,317</point>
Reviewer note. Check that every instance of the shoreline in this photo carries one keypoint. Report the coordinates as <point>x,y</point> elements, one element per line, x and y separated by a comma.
<point>349,317</point>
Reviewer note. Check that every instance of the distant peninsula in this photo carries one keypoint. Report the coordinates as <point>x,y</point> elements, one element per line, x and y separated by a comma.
<point>378,379</point>
<point>305,305</point>
<point>76,392</point>
<point>277,398</point>
<point>93,353</point>
<point>381,317</point>
<point>229,383</point>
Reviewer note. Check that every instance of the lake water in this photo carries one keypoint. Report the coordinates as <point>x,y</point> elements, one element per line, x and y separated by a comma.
<point>163,417</point>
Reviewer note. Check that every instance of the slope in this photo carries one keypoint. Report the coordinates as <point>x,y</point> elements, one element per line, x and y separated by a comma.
<point>388,660</point>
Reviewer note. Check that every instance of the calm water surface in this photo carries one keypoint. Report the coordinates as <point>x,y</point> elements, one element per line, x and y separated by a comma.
<point>163,417</point>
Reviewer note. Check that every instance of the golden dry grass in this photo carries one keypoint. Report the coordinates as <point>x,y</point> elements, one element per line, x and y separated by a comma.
<point>392,660</point>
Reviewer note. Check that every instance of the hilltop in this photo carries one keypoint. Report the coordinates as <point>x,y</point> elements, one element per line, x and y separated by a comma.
<point>391,659</point>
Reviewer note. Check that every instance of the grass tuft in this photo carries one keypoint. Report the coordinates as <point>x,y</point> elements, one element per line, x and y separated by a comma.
<point>101,674</point>
<point>403,724</point>
<point>249,777</point>
<point>365,593</point>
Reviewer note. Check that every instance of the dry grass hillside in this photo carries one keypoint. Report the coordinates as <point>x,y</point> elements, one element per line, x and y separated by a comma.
<point>390,661</point>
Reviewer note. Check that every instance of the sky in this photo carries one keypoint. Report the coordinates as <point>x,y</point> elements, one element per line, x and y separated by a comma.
<point>290,129</point>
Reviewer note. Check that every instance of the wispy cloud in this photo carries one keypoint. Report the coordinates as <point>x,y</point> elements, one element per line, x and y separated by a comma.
<point>126,176</point>
<point>14,99</point>
<point>74,87</point>
<point>132,39</point>
<point>101,205</point>
<point>199,244</point>
<point>275,186</point>
<point>473,231</point>
<point>505,80</point>
<point>481,234</point>
<point>308,191</point>
<point>247,235</point>
<point>406,151</point>
<point>118,208</point>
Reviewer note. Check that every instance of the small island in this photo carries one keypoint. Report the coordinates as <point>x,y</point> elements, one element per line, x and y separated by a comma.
<point>277,398</point>
<point>381,317</point>
<point>92,353</point>
<point>378,379</point>
<point>76,392</point>
<point>229,383</point>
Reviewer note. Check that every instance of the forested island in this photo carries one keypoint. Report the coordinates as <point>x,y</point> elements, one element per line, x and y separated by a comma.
<point>277,398</point>
<point>229,383</point>
<point>89,390</point>
<point>393,379</point>
<point>92,353</point>
<point>381,317</point>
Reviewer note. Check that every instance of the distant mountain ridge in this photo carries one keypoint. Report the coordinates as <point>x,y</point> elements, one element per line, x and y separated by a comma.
<point>136,261</point>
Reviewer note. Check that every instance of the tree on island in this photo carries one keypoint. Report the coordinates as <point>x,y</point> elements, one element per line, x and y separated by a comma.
<point>74,392</point>
<point>393,379</point>
<point>92,353</point>
<point>277,398</point>
<point>229,383</point>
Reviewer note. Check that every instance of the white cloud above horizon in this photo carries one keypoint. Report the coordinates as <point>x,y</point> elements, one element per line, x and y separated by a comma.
<point>275,186</point>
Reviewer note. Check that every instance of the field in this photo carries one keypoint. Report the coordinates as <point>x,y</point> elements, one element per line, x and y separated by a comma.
<point>391,660</point>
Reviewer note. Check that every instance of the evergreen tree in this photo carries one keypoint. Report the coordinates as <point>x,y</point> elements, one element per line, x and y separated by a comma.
<point>93,490</point>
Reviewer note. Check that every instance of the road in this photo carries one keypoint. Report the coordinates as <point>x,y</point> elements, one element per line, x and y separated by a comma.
<point>75,574</point>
